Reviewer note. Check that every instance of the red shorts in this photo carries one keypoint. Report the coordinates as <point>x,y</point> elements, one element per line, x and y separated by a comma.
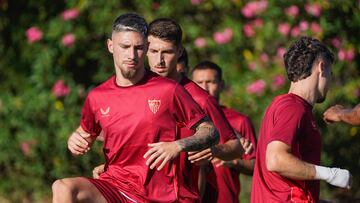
<point>109,191</point>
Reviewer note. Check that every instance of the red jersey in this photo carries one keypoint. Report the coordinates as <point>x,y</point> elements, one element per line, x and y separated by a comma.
<point>227,179</point>
<point>131,117</point>
<point>288,119</point>
<point>213,110</point>
<point>211,107</point>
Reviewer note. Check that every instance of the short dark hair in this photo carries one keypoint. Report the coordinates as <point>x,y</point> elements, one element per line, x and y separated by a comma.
<point>166,29</point>
<point>302,55</point>
<point>130,22</point>
<point>204,65</point>
<point>184,58</point>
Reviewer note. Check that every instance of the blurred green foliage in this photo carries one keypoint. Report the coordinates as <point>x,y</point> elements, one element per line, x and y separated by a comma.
<point>35,119</point>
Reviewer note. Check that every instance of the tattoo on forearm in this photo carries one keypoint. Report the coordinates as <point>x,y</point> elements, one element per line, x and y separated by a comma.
<point>206,135</point>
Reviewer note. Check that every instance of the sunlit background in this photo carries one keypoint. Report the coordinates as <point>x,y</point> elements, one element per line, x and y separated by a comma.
<point>53,52</point>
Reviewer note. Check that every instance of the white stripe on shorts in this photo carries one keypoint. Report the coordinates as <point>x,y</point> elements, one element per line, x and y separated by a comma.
<point>128,197</point>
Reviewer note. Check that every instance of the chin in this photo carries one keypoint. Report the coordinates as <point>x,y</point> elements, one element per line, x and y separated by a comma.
<point>164,74</point>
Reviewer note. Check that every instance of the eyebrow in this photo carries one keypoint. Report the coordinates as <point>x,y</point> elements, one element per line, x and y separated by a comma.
<point>125,44</point>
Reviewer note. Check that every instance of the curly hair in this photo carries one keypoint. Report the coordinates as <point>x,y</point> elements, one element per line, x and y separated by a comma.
<point>302,55</point>
<point>166,29</point>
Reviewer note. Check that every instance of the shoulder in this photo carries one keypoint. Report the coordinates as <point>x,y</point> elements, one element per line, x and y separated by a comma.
<point>286,109</point>
<point>102,88</point>
<point>162,82</point>
<point>288,102</point>
<point>198,94</point>
<point>232,113</point>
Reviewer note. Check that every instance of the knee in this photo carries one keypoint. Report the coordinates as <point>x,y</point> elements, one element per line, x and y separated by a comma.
<point>60,186</point>
<point>61,189</point>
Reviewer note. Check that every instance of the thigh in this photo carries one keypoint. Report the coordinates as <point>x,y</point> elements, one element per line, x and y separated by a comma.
<point>86,191</point>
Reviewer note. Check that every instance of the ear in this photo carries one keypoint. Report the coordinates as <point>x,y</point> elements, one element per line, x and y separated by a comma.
<point>147,43</point>
<point>180,51</point>
<point>110,46</point>
<point>320,66</point>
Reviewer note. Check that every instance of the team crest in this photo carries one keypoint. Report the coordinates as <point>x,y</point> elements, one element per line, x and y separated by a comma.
<point>154,105</point>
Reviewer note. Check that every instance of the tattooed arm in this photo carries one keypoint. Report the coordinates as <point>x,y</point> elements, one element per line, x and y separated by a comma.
<point>205,136</point>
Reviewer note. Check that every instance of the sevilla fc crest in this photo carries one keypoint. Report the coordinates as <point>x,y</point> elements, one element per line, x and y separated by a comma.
<point>154,105</point>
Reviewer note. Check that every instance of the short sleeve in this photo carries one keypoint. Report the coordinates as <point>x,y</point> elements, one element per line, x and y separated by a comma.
<point>185,110</point>
<point>88,120</point>
<point>214,111</point>
<point>286,123</point>
<point>247,131</point>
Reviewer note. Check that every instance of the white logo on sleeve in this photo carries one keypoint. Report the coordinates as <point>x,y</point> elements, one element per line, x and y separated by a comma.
<point>154,105</point>
<point>105,113</point>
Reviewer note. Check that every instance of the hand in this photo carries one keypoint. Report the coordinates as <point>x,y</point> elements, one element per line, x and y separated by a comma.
<point>202,157</point>
<point>218,162</point>
<point>335,176</point>
<point>340,177</point>
<point>101,137</point>
<point>161,152</point>
<point>78,144</point>
<point>246,144</point>
<point>332,114</point>
<point>98,170</point>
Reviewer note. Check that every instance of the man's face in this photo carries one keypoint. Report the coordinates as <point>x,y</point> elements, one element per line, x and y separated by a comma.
<point>208,80</point>
<point>324,80</point>
<point>163,56</point>
<point>128,49</point>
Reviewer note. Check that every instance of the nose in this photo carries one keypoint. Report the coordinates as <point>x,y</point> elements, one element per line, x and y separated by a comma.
<point>132,54</point>
<point>204,86</point>
<point>161,59</point>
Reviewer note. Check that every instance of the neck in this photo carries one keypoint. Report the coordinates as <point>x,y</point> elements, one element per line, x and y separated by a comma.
<point>177,77</point>
<point>126,82</point>
<point>303,90</point>
<point>218,100</point>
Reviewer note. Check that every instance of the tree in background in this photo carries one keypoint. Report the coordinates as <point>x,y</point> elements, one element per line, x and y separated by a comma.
<point>53,53</point>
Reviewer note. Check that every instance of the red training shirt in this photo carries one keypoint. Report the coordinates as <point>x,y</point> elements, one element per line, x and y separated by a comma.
<point>288,119</point>
<point>227,179</point>
<point>131,117</point>
<point>211,107</point>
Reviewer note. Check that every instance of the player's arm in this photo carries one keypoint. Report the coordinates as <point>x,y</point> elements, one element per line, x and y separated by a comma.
<point>245,166</point>
<point>339,113</point>
<point>241,165</point>
<point>80,141</point>
<point>229,150</point>
<point>279,159</point>
<point>205,136</point>
<point>226,151</point>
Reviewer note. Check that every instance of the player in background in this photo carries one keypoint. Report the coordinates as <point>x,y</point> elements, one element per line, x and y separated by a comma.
<point>287,167</point>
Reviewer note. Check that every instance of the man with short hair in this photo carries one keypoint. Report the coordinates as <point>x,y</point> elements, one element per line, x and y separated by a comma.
<point>289,144</point>
<point>138,111</point>
<point>165,48</point>
<point>225,185</point>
